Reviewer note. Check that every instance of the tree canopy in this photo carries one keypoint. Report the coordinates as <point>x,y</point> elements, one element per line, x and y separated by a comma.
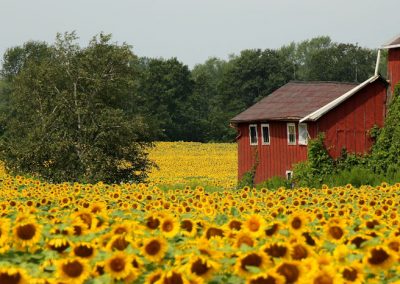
<point>71,112</point>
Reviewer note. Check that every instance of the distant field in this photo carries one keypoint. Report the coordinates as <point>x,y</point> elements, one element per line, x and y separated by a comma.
<point>190,163</point>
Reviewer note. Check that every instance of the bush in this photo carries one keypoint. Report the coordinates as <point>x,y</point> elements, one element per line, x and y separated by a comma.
<point>275,182</point>
<point>356,176</point>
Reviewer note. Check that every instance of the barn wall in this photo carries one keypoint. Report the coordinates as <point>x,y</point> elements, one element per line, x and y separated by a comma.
<point>274,159</point>
<point>347,125</point>
<point>394,67</point>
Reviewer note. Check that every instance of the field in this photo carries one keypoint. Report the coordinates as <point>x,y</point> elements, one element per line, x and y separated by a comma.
<point>76,233</point>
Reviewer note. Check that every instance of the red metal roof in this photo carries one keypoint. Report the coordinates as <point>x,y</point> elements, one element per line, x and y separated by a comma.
<point>294,101</point>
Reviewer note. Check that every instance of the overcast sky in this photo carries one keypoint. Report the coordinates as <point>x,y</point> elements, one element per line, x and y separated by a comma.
<point>194,30</point>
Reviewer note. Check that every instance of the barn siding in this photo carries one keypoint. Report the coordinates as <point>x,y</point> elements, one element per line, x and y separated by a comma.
<point>394,67</point>
<point>274,159</point>
<point>347,125</point>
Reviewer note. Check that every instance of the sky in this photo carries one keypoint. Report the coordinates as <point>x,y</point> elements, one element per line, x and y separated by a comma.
<point>195,30</point>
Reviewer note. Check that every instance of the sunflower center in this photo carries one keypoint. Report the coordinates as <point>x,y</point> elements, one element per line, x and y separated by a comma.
<point>86,218</point>
<point>120,231</point>
<point>378,256</point>
<point>175,278</point>
<point>245,240</point>
<point>264,280</point>
<point>187,225</point>
<point>289,271</point>
<point>251,260</point>
<point>60,248</point>
<point>26,232</point>
<point>10,279</point>
<point>117,264</point>
<point>357,241</point>
<point>323,279</point>
<point>299,252</point>
<point>153,247</point>
<point>199,267</point>
<point>349,274</point>
<point>155,278</point>
<point>394,245</point>
<point>83,251</point>
<point>254,226</point>
<point>276,250</point>
<point>120,243</point>
<point>336,232</point>
<point>235,225</point>
<point>167,226</point>
<point>269,232</point>
<point>212,232</point>
<point>296,223</point>
<point>152,223</point>
<point>73,269</point>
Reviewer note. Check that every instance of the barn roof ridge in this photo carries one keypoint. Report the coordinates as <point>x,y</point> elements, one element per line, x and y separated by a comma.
<point>322,82</point>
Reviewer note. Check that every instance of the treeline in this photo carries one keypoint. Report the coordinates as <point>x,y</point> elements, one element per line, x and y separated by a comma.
<point>195,105</point>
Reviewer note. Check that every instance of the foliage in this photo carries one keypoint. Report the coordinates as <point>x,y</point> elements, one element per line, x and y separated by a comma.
<point>320,163</point>
<point>71,114</point>
<point>275,183</point>
<point>355,175</point>
<point>386,151</point>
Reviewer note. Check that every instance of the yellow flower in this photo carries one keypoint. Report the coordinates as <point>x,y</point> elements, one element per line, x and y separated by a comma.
<point>84,250</point>
<point>73,270</point>
<point>266,277</point>
<point>255,225</point>
<point>201,266</point>
<point>290,270</point>
<point>119,265</point>
<point>169,226</point>
<point>154,249</point>
<point>379,257</point>
<point>255,259</point>
<point>27,233</point>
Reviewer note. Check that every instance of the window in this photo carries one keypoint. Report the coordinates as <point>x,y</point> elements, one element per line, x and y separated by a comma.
<point>253,134</point>
<point>265,134</point>
<point>303,134</point>
<point>289,175</point>
<point>291,133</point>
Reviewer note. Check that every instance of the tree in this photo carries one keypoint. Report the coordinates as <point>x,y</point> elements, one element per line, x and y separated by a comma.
<point>71,114</point>
<point>164,88</point>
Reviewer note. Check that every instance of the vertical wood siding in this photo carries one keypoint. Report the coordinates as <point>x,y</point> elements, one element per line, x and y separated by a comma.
<point>394,67</point>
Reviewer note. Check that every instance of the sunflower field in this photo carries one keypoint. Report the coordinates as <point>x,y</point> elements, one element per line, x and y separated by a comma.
<point>140,233</point>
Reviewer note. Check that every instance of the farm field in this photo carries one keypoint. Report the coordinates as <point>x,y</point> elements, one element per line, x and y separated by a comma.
<point>77,233</point>
<point>191,163</point>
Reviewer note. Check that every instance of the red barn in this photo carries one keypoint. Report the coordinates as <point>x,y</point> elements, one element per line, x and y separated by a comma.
<point>275,131</point>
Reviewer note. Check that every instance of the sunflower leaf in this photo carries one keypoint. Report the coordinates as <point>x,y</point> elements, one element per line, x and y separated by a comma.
<point>253,269</point>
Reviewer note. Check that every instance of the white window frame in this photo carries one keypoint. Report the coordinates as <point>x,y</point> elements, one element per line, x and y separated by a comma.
<point>288,133</point>
<point>289,173</point>
<point>256,142</point>
<point>265,125</point>
<point>301,141</point>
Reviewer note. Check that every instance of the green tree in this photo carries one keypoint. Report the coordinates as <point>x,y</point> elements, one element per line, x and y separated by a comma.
<point>71,117</point>
<point>165,87</point>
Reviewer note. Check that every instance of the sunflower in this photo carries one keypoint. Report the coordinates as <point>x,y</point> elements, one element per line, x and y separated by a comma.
<point>73,270</point>
<point>58,244</point>
<point>27,233</point>
<point>188,228</point>
<point>119,242</point>
<point>201,266</point>
<point>324,275</point>
<point>123,228</point>
<point>169,226</point>
<point>4,234</point>
<point>255,225</point>
<point>256,259</point>
<point>276,250</point>
<point>243,237</point>
<point>213,232</point>
<point>290,270</point>
<point>352,273</point>
<point>119,265</point>
<point>84,250</point>
<point>152,222</point>
<point>335,231</point>
<point>173,276</point>
<point>13,276</point>
<point>154,249</point>
<point>270,277</point>
<point>297,222</point>
<point>299,251</point>
<point>234,225</point>
<point>379,257</point>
